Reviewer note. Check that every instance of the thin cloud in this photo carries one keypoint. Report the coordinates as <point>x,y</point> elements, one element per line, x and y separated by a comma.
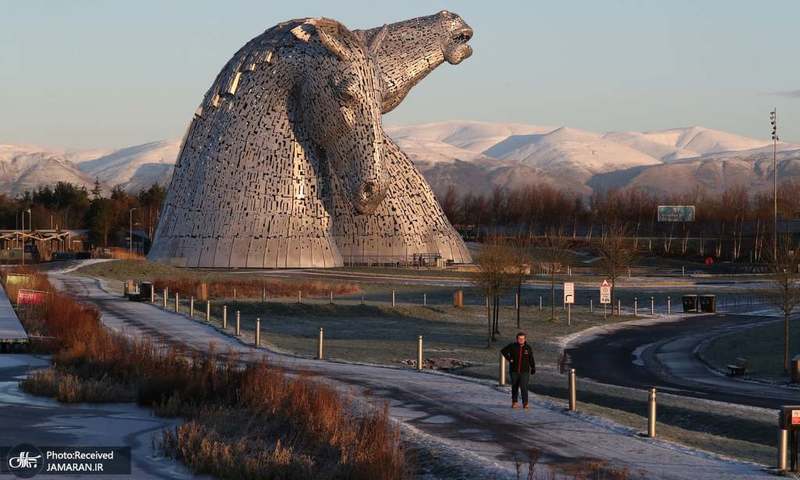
<point>787,93</point>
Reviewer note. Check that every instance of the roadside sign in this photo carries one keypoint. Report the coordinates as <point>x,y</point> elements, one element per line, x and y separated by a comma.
<point>795,417</point>
<point>676,213</point>
<point>569,292</point>
<point>30,297</point>
<point>605,292</point>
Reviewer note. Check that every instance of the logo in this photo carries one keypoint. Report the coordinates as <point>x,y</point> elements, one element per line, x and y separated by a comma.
<point>25,461</point>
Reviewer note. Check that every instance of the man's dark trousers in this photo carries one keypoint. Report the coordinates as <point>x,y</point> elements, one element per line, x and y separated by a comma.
<point>520,381</point>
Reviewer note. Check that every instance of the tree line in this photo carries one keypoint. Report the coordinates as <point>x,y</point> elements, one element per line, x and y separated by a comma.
<point>734,224</point>
<point>66,206</point>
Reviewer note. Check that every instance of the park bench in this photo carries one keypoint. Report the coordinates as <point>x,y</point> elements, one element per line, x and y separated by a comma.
<point>739,368</point>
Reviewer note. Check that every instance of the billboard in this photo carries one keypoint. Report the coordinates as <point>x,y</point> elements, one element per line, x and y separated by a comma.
<point>676,213</point>
<point>30,297</point>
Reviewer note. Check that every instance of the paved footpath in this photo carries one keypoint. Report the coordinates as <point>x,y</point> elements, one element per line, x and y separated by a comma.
<point>469,421</point>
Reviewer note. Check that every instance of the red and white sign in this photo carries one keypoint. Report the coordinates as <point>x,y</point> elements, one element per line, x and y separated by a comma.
<point>795,417</point>
<point>605,292</point>
<point>30,297</point>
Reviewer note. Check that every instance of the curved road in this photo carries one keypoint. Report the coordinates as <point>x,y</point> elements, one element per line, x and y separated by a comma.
<point>662,355</point>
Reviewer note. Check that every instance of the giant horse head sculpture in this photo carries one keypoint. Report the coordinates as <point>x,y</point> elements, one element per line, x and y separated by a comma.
<point>285,163</point>
<point>339,97</point>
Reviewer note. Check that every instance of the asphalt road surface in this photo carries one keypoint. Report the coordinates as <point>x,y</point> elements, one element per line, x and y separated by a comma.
<point>662,355</point>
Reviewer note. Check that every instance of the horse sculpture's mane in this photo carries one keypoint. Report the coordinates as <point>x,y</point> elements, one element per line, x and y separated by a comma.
<point>253,187</point>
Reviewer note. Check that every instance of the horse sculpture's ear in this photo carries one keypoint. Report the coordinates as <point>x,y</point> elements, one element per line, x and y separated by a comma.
<point>375,43</point>
<point>333,45</point>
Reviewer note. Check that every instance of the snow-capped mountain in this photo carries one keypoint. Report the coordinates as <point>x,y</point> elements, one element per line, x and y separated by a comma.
<point>472,156</point>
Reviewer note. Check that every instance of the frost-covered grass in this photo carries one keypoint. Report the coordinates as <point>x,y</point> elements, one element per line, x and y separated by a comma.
<point>762,346</point>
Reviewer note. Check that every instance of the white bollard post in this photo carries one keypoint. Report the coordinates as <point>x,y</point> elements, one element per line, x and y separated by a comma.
<point>224,317</point>
<point>208,310</point>
<point>569,314</point>
<point>393,299</point>
<point>502,379</point>
<point>540,303</point>
<point>331,297</point>
<point>191,307</point>
<point>299,296</point>
<point>591,305</point>
<point>652,306</point>
<point>238,324</point>
<point>783,449</point>
<point>424,299</point>
<point>636,306</point>
<point>619,307</point>
<point>572,394</point>
<point>258,332</point>
<point>669,305</point>
<point>419,353</point>
<point>177,305</point>
<point>651,413</point>
<point>320,343</point>
<point>166,294</point>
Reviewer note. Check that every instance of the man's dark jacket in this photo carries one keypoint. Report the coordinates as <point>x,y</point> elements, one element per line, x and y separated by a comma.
<point>520,357</point>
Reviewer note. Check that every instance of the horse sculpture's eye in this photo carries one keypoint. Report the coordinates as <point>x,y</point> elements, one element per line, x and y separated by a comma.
<point>347,91</point>
<point>349,116</point>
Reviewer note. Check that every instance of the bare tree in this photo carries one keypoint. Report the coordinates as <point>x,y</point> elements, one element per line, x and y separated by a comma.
<point>554,258</point>
<point>785,288</point>
<point>616,256</point>
<point>497,265</point>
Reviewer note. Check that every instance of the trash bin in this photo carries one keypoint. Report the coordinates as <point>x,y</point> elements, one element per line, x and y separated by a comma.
<point>795,369</point>
<point>690,304</point>
<point>708,303</point>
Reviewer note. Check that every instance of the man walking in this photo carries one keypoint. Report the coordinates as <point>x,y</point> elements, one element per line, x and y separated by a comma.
<point>520,357</point>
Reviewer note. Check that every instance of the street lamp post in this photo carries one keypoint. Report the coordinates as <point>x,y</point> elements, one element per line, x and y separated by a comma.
<point>22,233</point>
<point>773,120</point>
<point>130,231</point>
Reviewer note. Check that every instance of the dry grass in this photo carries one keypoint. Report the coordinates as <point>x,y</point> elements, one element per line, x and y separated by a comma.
<point>254,288</point>
<point>69,388</point>
<point>269,424</point>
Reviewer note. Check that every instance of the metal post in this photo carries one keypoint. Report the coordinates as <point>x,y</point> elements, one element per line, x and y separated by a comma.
<point>238,324</point>
<point>320,343</point>
<point>683,271</point>
<point>419,353</point>
<point>652,306</point>
<point>502,374</point>
<point>331,300</point>
<point>619,307</point>
<point>258,332</point>
<point>224,317</point>
<point>636,306</point>
<point>651,413</point>
<point>569,314</point>
<point>591,305</point>
<point>208,310</point>
<point>152,294</point>
<point>424,299</point>
<point>177,305</point>
<point>540,303</point>
<point>393,299</point>
<point>572,394</point>
<point>299,296</point>
<point>191,307</point>
<point>264,294</point>
<point>783,447</point>
<point>669,305</point>
<point>166,292</point>
<point>516,304</point>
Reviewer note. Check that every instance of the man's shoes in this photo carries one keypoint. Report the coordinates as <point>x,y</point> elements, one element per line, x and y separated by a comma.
<point>525,406</point>
<point>514,405</point>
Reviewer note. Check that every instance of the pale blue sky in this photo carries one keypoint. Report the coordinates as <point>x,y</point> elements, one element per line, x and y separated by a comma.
<point>110,74</point>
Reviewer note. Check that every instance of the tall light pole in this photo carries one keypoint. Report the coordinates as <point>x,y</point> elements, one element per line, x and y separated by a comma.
<point>22,233</point>
<point>130,230</point>
<point>773,119</point>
